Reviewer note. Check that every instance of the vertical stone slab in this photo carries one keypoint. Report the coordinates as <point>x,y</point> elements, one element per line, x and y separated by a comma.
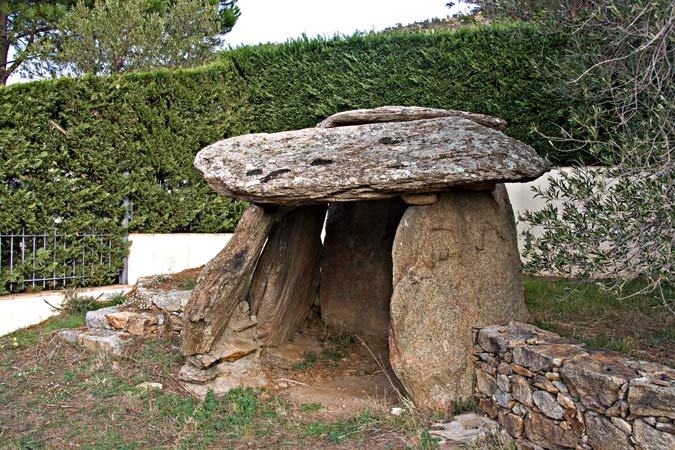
<point>355,287</point>
<point>455,266</point>
<point>224,282</point>
<point>286,279</point>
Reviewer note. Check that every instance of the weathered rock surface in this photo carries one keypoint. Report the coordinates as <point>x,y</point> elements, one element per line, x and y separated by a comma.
<point>364,162</point>
<point>223,377</point>
<point>547,433</point>
<point>356,268</point>
<point>464,429</point>
<point>107,342</point>
<point>647,438</point>
<point>547,404</point>
<point>596,379</point>
<point>420,199</point>
<point>98,319</point>
<point>405,114</point>
<point>286,279</point>
<point>224,282</point>
<point>455,266</point>
<point>649,399</point>
<point>603,435</point>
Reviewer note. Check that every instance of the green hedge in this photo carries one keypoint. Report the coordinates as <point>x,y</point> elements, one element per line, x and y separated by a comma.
<point>71,150</point>
<point>486,70</point>
<point>74,148</point>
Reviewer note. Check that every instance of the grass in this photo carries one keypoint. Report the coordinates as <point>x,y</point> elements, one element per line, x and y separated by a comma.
<point>57,396</point>
<point>637,324</point>
<point>338,350</point>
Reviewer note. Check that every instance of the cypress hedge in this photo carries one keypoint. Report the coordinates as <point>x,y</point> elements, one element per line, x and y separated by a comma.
<point>72,150</point>
<point>491,70</point>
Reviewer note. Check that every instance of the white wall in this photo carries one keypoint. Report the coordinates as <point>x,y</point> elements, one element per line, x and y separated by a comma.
<point>153,254</point>
<point>522,198</point>
<point>23,310</point>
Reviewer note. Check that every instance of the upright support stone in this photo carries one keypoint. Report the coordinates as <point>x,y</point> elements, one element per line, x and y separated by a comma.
<point>355,288</point>
<point>286,279</point>
<point>455,266</point>
<point>224,282</point>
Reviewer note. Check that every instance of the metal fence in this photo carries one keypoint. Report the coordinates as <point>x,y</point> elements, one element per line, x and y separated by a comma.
<point>56,259</point>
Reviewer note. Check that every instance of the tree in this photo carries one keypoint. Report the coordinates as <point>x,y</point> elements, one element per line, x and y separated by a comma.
<point>113,36</point>
<point>620,218</point>
<point>24,26</point>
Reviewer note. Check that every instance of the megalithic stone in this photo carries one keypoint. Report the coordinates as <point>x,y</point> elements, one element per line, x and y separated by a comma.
<point>224,282</point>
<point>405,114</point>
<point>285,282</point>
<point>365,162</point>
<point>455,266</point>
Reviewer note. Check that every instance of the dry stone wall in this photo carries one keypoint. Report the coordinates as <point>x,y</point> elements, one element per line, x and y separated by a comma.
<point>553,393</point>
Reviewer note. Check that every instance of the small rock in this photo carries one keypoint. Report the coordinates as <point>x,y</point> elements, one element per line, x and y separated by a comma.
<point>614,410</point>
<point>502,398</point>
<point>649,438</point>
<point>603,435</point>
<point>485,383</point>
<point>192,374</point>
<point>622,425</point>
<point>666,427</point>
<point>97,319</point>
<point>105,341</point>
<point>504,368</point>
<point>543,383</point>
<point>521,390</point>
<point>512,423</point>
<point>561,387</point>
<point>552,376</point>
<point>487,405</point>
<point>547,404</point>
<point>464,429</point>
<point>520,370</point>
<point>504,383</point>
<point>565,401</point>
<point>69,335</point>
<point>118,320</point>
<point>396,411</point>
<point>143,324</point>
<point>149,386</point>
<point>420,199</point>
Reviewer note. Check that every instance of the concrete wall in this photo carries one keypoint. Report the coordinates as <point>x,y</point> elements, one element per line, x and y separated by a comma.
<point>153,254</point>
<point>23,310</point>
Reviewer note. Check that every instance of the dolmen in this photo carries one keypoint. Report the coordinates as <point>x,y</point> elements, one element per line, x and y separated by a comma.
<point>420,242</point>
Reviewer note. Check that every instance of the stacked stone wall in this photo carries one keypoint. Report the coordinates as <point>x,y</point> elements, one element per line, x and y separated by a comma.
<point>554,393</point>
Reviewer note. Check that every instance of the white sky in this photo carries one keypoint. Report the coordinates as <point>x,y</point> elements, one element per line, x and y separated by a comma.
<point>265,21</point>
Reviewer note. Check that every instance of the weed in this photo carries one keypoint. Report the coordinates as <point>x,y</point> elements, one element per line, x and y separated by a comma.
<point>427,442</point>
<point>310,358</point>
<point>464,405</point>
<point>187,284</point>
<point>307,407</point>
<point>332,355</point>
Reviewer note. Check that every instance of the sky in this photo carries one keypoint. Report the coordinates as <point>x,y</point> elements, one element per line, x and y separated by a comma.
<point>264,21</point>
